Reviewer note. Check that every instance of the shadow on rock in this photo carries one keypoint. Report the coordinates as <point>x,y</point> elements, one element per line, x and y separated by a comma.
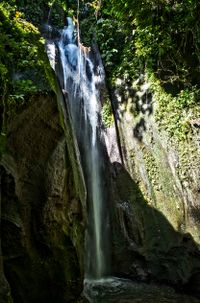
<point>145,246</point>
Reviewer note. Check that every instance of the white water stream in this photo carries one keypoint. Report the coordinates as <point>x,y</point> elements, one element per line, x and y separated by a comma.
<point>80,81</point>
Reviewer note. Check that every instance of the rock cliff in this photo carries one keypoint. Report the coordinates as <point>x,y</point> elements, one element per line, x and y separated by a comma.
<point>41,218</point>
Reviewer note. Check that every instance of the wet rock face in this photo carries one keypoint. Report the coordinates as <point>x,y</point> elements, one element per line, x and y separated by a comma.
<point>145,246</point>
<point>165,166</point>
<point>40,256</point>
<point>155,217</point>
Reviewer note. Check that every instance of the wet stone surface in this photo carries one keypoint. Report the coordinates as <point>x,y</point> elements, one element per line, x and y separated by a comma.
<point>115,290</point>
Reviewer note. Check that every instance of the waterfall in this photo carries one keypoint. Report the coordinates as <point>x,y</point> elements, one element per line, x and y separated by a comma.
<point>80,81</point>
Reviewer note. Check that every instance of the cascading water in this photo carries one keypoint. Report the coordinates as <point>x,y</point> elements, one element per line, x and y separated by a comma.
<point>80,81</point>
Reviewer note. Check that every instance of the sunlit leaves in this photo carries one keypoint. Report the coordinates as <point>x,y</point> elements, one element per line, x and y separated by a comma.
<point>20,54</point>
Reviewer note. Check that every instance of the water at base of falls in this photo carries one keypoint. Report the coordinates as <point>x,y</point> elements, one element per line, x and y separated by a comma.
<point>117,290</point>
<point>81,79</point>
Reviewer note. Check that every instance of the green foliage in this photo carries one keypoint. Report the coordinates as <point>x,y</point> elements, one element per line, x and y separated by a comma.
<point>175,112</point>
<point>87,30</point>
<point>22,88</point>
<point>107,115</point>
<point>23,61</point>
<point>109,34</point>
<point>163,38</point>
<point>161,33</point>
<point>39,11</point>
